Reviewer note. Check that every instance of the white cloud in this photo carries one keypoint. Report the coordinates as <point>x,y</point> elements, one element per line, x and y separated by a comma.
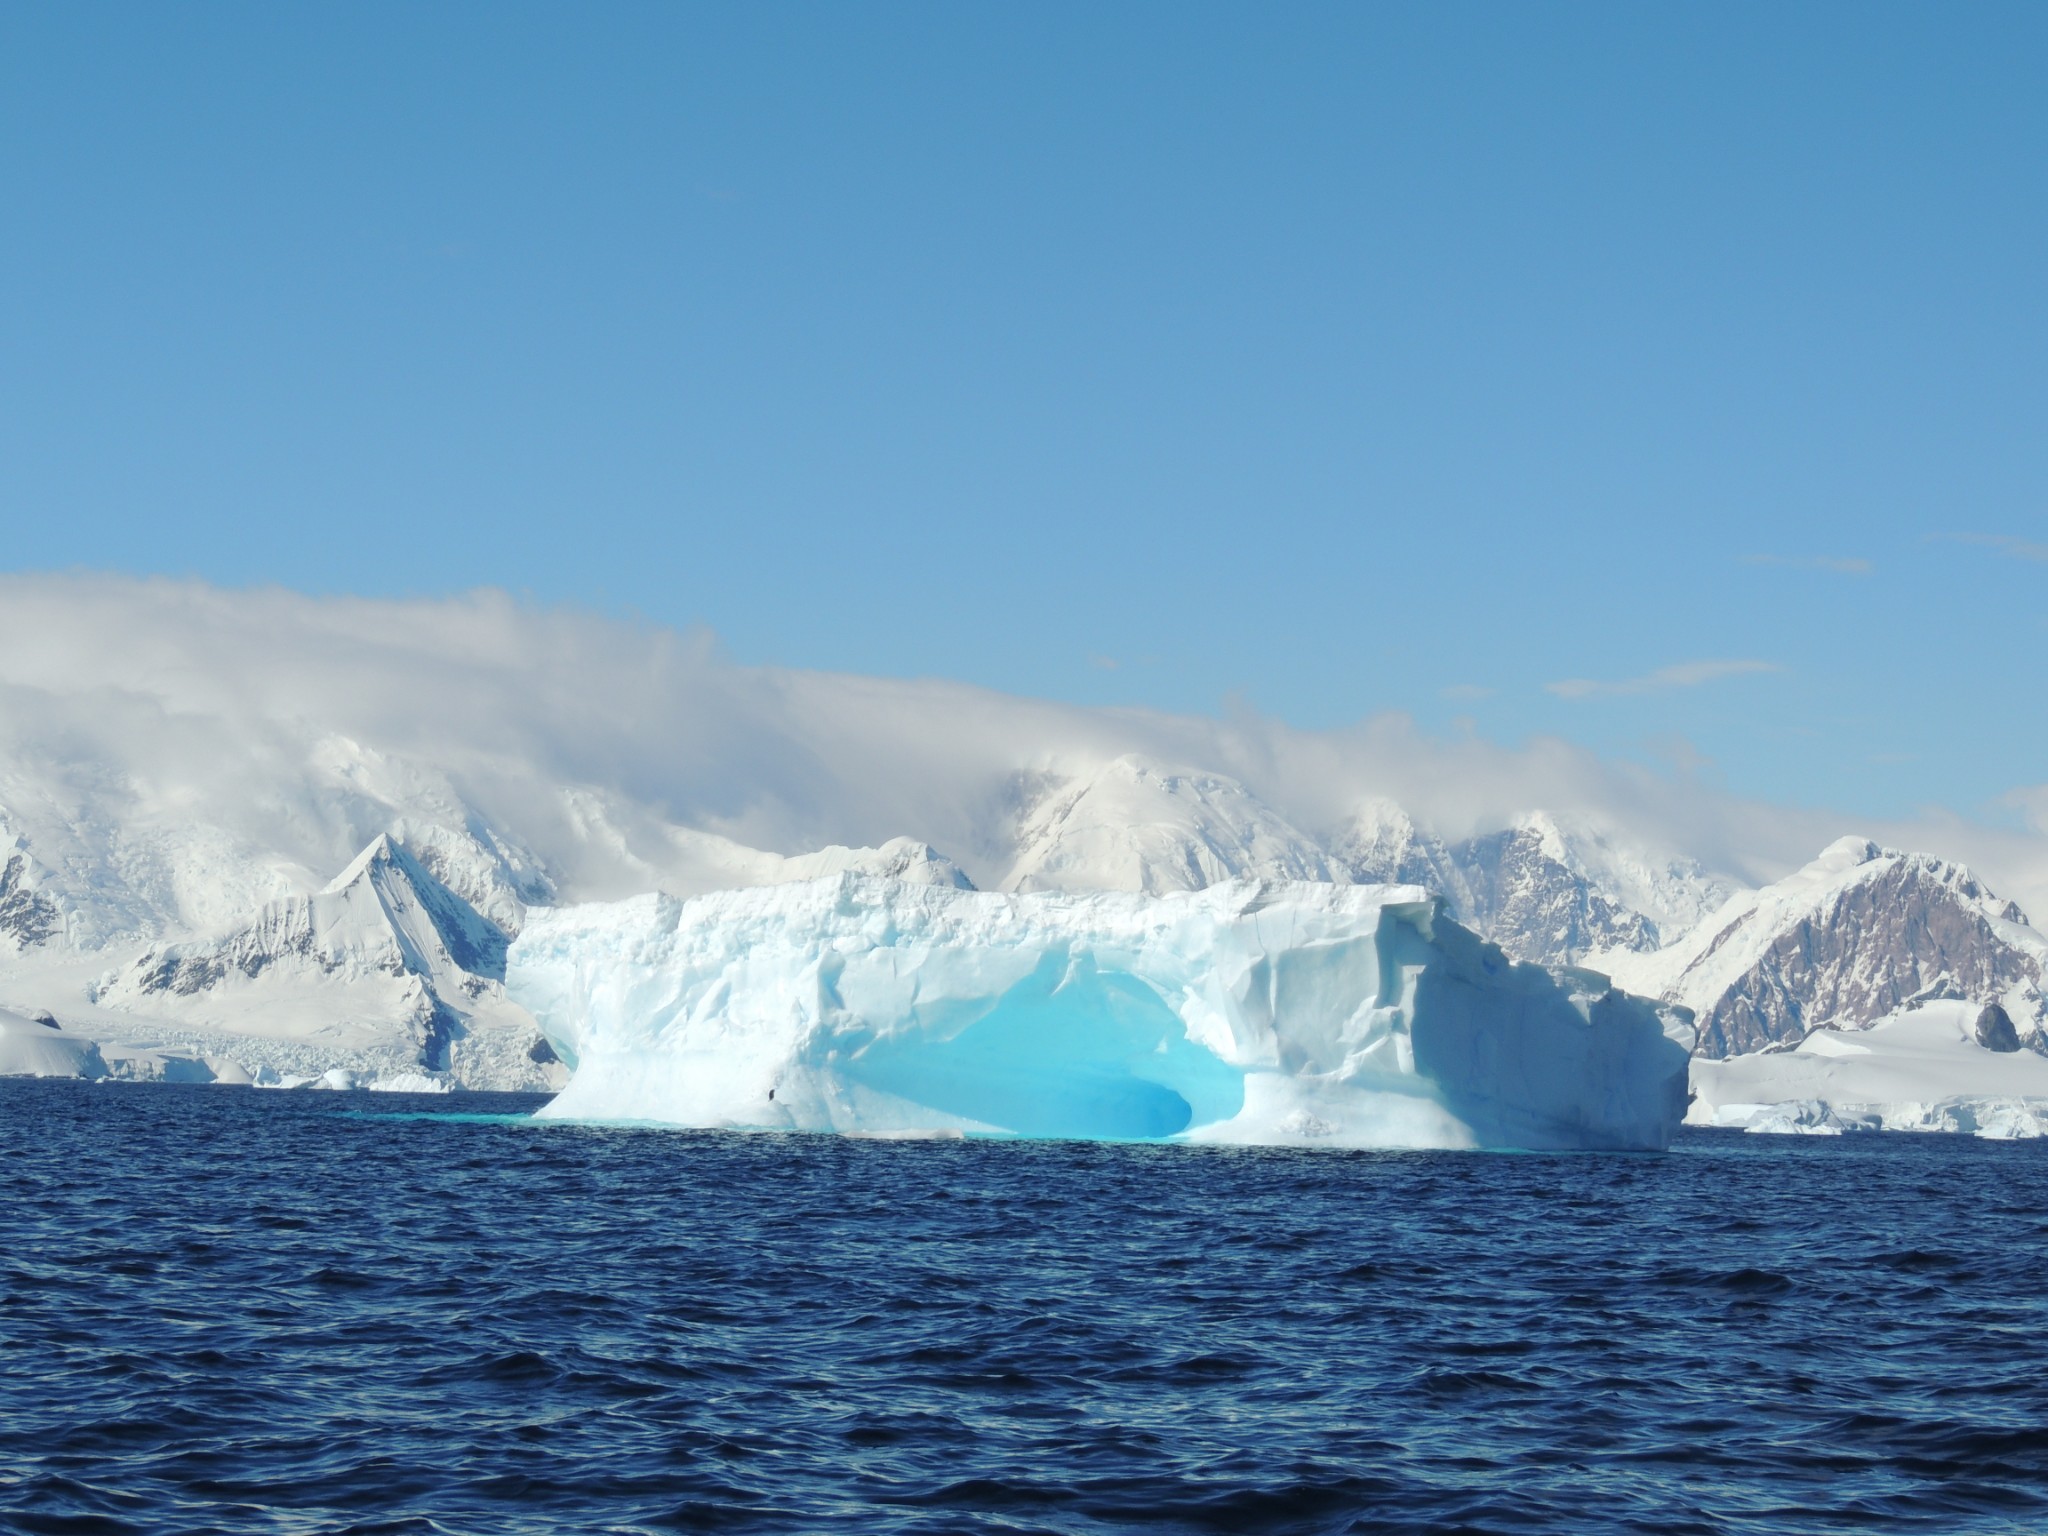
<point>1841,565</point>
<point>1686,674</point>
<point>185,706</point>
<point>2009,545</point>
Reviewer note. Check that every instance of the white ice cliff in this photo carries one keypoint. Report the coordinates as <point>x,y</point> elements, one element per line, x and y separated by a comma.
<point>38,1047</point>
<point>1245,1012</point>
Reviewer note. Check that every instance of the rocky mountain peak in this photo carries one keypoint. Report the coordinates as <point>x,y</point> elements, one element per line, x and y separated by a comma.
<point>1851,938</point>
<point>901,858</point>
<point>1528,887</point>
<point>28,917</point>
<point>384,958</point>
<point>375,859</point>
<point>1525,897</point>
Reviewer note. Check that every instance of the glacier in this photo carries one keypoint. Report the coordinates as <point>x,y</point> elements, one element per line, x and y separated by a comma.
<point>1935,1066</point>
<point>1248,1012</point>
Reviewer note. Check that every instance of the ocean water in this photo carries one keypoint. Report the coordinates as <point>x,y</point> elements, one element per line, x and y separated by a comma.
<point>224,1310</point>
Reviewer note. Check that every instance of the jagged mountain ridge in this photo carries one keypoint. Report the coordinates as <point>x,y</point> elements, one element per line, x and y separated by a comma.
<point>385,914</point>
<point>1860,934</point>
<point>27,916</point>
<point>385,960</point>
<point>1540,891</point>
<point>1522,891</point>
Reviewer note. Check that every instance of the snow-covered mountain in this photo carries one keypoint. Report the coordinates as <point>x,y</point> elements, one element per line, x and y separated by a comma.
<point>1937,1066</point>
<point>901,858</point>
<point>1857,935</point>
<point>385,965</point>
<point>1540,889</point>
<point>1136,826</point>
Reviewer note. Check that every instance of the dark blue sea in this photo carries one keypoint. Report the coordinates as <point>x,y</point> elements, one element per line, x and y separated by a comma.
<point>227,1310</point>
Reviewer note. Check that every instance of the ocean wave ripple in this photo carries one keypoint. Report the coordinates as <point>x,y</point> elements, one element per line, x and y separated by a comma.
<point>225,1311</point>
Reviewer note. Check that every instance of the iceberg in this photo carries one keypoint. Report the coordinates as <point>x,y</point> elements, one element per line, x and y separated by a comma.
<point>1248,1012</point>
<point>39,1047</point>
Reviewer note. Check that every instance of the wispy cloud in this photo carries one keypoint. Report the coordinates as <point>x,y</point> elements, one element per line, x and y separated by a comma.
<point>1841,565</point>
<point>1680,752</point>
<point>1465,693</point>
<point>2010,545</point>
<point>305,725</point>
<point>1686,674</point>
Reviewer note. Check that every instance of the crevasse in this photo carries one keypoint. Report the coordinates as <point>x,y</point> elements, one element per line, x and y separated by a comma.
<point>1245,1012</point>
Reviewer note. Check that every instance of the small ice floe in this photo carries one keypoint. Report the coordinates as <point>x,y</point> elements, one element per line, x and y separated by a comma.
<point>270,1077</point>
<point>410,1082</point>
<point>918,1133</point>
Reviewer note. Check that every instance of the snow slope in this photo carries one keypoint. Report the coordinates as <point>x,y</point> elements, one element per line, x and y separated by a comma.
<point>1247,1011</point>
<point>385,966</point>
<point>1855,936</point>
<point>1136,826</point>
<point>1923,1069</point>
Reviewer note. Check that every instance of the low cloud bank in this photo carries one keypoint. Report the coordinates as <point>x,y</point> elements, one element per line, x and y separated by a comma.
<point>284,721</point>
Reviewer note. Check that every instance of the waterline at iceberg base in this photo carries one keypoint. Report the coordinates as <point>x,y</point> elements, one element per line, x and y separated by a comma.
<point>1249,1012</point>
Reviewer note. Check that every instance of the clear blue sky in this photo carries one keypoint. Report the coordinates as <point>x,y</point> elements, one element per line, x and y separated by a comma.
<point>1335,359</point>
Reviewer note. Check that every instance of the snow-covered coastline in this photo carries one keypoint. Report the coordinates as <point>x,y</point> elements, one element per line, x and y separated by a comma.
<point>1928,1068</point>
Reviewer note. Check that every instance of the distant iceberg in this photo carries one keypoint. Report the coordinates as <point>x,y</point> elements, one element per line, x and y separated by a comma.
<point>38,1047</point>
<point>1248,1012</point>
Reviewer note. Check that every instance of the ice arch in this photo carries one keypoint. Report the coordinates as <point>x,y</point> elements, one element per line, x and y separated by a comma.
<point>1071,1050</point>
<point>1245,1012</point>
